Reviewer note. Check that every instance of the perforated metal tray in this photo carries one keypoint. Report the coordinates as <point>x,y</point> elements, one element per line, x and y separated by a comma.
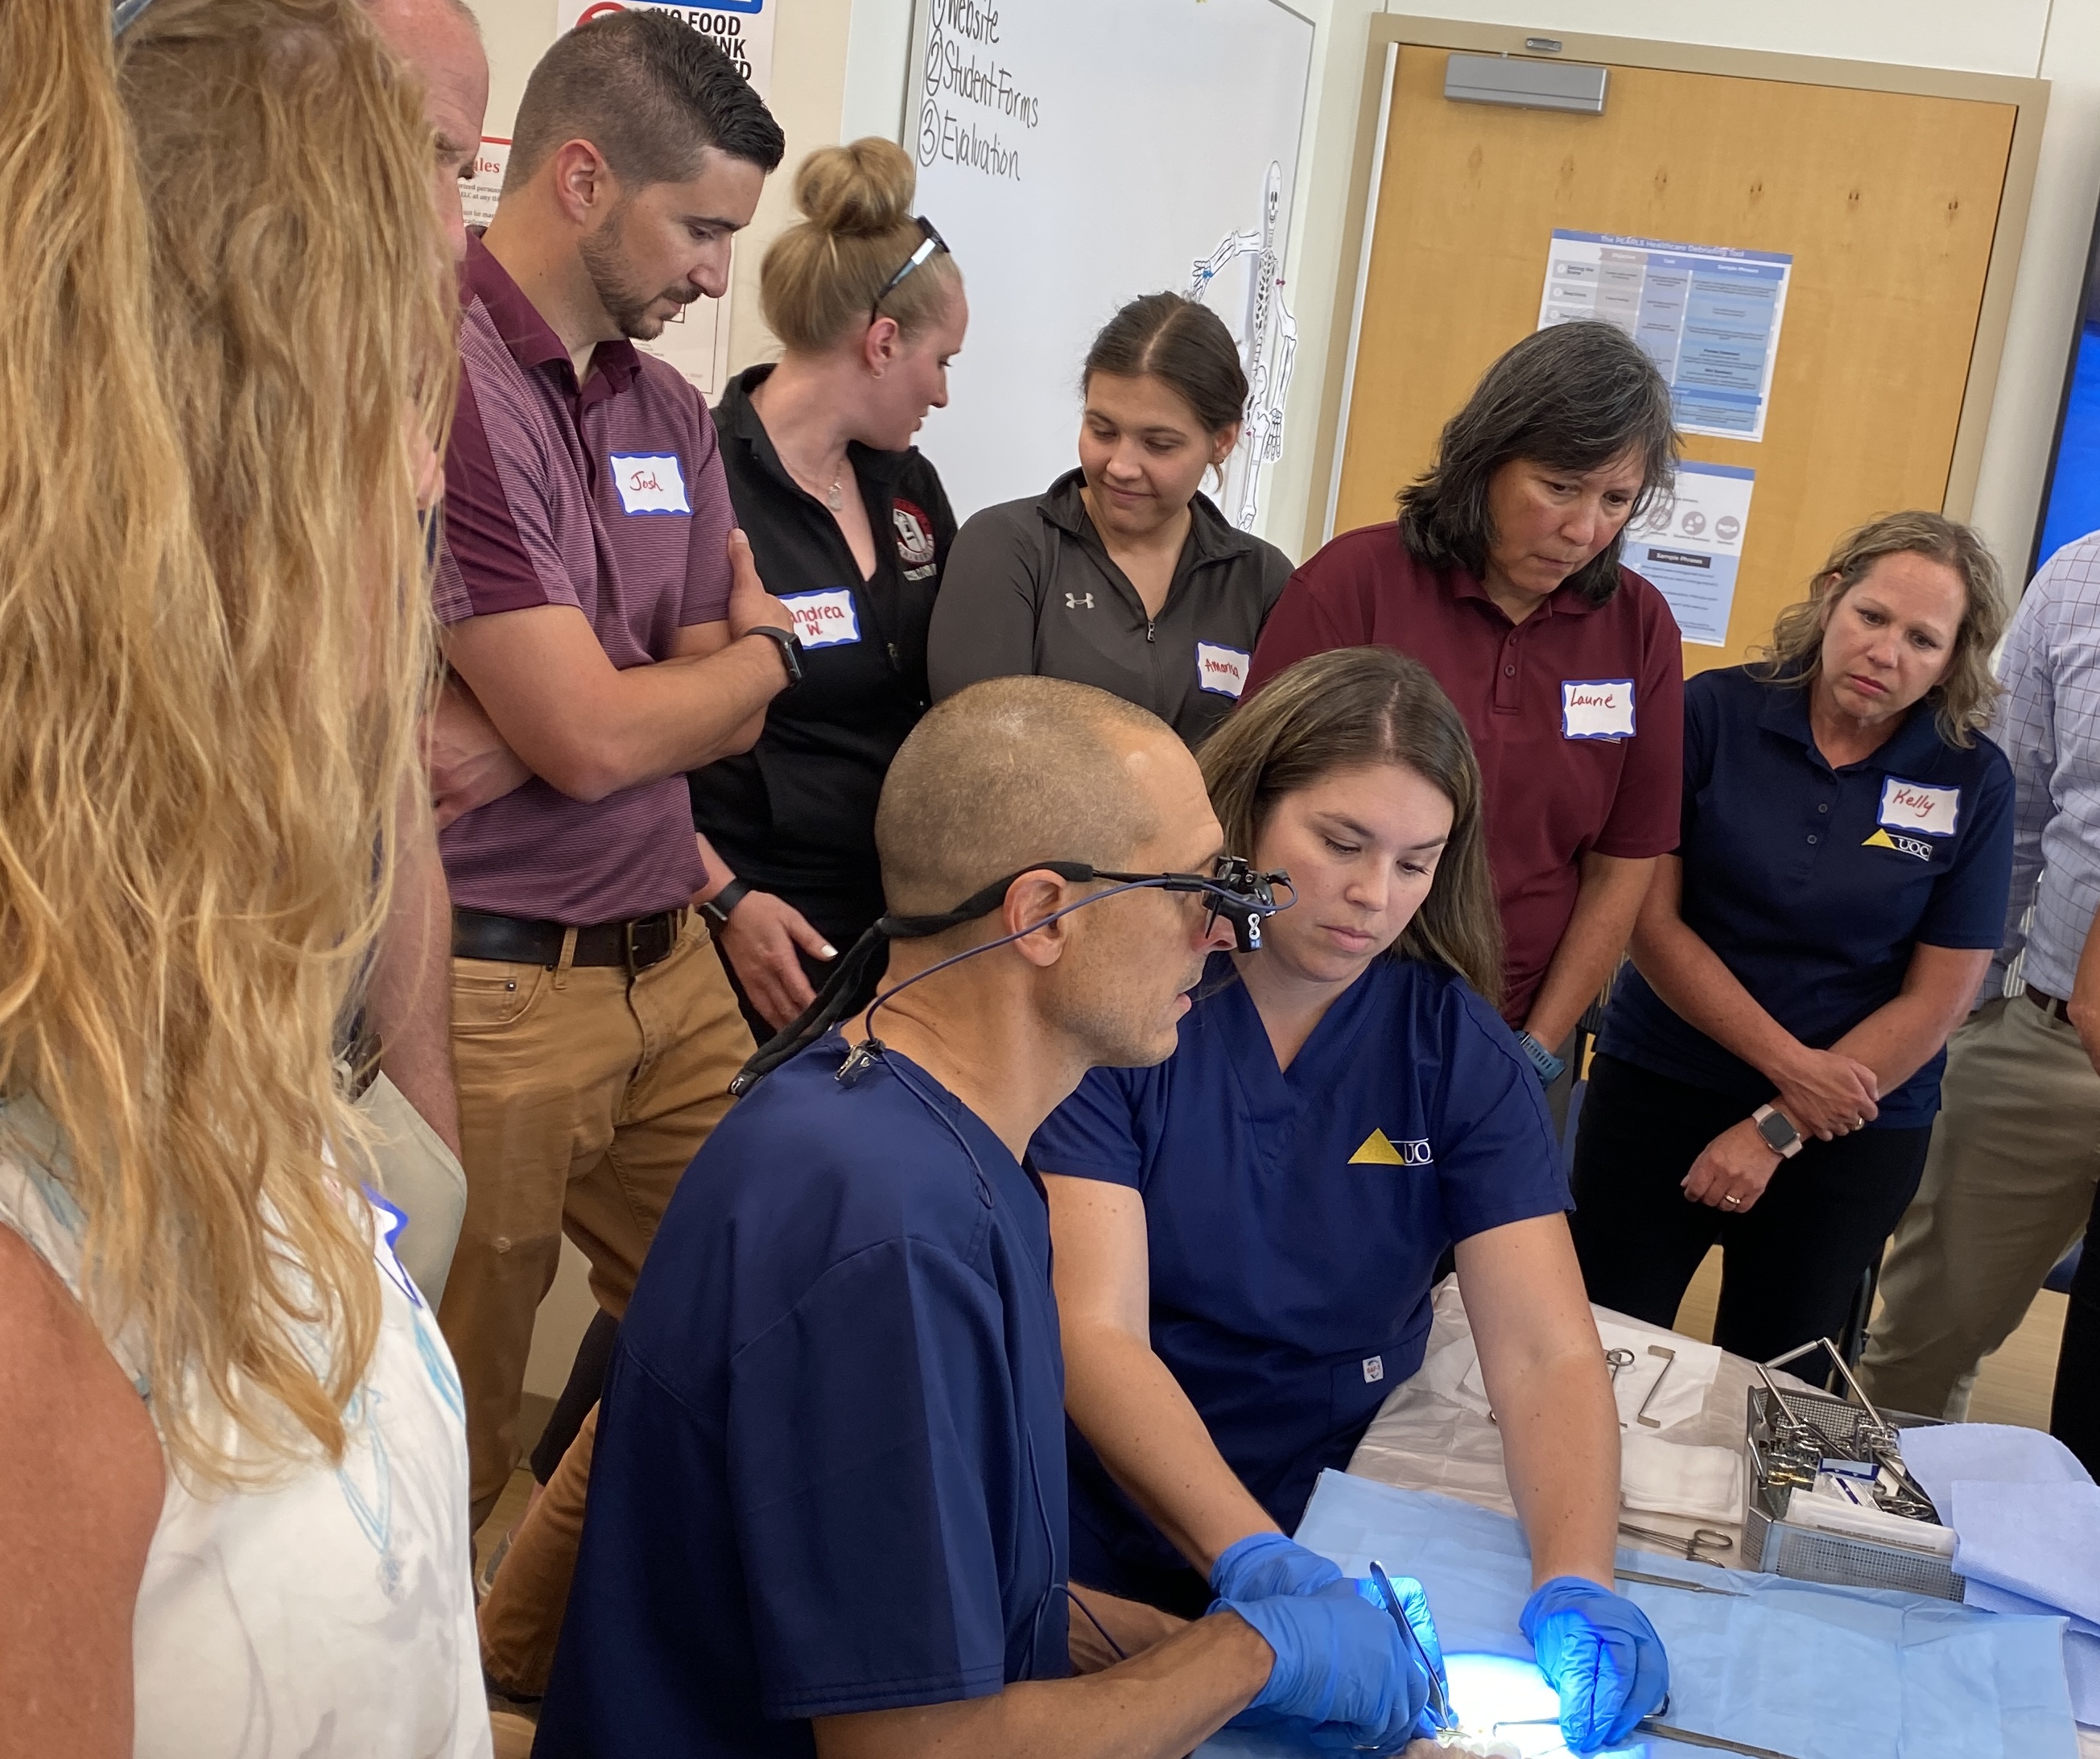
<point>1773,1543</point>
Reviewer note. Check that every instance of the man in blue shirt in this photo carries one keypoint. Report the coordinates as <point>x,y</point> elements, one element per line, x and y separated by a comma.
<point>828,1508</point>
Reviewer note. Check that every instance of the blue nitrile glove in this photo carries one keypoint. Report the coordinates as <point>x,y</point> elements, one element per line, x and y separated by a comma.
<point>1266,1564</point>
<point>1601,1655</point>
<point>1340,1662</point>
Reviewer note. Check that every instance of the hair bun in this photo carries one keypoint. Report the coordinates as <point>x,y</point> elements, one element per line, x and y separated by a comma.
<point>860,190</point>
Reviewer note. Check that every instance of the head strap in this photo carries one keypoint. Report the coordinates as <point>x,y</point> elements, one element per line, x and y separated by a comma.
<point>1237,892</point>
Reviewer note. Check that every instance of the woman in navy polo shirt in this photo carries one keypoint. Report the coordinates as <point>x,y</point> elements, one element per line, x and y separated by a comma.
<point>1246,1235</point>
<point>849,527</point>
<point>1769,1070</point>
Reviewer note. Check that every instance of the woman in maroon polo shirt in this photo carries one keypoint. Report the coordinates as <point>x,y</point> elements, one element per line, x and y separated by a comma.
<point>1502,575</point>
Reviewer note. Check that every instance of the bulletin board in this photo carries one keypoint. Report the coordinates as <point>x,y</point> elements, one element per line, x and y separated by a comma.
<point>1896,196</point>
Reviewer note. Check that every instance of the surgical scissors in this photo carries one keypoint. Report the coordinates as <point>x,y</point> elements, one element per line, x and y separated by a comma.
<point>1702,1538</point>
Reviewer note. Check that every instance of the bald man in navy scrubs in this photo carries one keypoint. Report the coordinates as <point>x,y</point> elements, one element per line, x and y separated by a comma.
<point>827,1509</point>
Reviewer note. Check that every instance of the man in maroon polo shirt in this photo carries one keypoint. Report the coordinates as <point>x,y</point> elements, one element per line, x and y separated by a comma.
<point>601,610</point>
<point>1502,575</point>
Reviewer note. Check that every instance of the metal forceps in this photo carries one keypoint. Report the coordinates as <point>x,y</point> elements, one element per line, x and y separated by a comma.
<point>1703,1538</point>
<point>1440,1712</point>
<point>1664,1731</point>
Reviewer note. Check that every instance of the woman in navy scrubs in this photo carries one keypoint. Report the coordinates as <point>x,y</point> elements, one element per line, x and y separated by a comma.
<point>1246,1235</point>
<point>1768,1071</point>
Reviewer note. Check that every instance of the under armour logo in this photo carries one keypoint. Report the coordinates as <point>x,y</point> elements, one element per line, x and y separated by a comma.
<point>1078,601</point>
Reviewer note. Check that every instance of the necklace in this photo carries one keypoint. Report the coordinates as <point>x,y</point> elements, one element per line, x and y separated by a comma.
<point>835,496</point>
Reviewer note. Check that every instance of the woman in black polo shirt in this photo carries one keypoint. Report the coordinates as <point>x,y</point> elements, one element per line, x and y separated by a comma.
<point>1769,1070</point>
<point>1124,575</point>
<point>849,527</point>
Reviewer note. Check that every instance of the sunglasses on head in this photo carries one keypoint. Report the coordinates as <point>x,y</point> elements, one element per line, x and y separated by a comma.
<point>930,242</point>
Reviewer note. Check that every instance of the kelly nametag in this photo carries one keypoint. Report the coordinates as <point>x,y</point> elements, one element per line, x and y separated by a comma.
<point>1912,806</point>
<point>826,619</point>
<point>1597,708</point>
<point>1220,669</point>
<point>649,482</point>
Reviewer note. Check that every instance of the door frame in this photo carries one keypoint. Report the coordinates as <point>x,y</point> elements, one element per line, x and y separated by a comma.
<point>2028,97</point>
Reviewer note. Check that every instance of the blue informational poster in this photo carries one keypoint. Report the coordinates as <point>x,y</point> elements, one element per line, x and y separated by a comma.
<point>1708,317</point>
<point>1689,546</point>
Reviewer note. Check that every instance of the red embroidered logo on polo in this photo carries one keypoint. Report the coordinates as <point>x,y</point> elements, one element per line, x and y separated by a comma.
<point>915,540</point>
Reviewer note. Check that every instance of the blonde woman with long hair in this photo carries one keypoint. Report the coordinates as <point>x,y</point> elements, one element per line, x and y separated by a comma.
<point>1769,1070</point>
<point>1247,1235</point>
<point>234,1519</point>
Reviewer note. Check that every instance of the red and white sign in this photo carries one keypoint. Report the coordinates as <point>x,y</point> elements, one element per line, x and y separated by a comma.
<point>1913,807</point>
<point>826,619</point>
<point>479,194</point>
<point>741,28</point>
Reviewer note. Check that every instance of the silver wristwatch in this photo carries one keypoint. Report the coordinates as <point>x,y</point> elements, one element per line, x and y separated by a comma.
<point>1779,1136</point>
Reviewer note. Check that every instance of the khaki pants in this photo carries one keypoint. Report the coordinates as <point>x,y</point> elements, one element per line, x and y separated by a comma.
<point>2007,1188</point>
<point>583,1093</point>
<point>521,1620</point>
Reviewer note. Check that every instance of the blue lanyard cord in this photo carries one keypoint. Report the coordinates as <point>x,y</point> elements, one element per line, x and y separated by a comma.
<point>1113,1644</point>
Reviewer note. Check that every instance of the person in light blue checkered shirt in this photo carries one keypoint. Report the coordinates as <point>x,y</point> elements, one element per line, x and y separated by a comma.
<point>2016,1153</point>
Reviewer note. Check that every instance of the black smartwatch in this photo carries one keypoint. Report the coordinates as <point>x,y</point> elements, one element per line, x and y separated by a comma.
<point>716,908</point>
<point>791,649</point>
<point>1779,1136</point>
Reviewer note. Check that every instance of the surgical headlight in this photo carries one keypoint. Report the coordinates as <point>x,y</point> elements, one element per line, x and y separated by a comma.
<point>1235,888</point>
<point>1237,892</point>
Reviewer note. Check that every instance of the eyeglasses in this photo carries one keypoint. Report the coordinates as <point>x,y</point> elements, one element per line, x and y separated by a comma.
<point>930,242</point>
<point>1232,888</point>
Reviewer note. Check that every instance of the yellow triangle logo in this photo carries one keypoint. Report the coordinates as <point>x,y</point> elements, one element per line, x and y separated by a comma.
<point>1378,1151</point>
<point>1879,840</point>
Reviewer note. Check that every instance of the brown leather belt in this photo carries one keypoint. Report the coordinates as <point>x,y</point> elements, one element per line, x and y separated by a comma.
<point>637,943</point>
<point>2049,1005</point>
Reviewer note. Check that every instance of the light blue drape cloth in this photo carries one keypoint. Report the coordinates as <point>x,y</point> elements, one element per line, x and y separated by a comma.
<point>1812,1671</point>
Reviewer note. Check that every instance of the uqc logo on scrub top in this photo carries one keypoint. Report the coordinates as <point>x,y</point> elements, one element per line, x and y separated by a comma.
<point>1380,1150</point>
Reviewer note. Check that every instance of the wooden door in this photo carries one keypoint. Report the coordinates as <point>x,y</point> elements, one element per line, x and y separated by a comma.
<point>1887,200</point>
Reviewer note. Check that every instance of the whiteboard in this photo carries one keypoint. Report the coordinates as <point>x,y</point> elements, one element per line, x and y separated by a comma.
<point>1074,154</point>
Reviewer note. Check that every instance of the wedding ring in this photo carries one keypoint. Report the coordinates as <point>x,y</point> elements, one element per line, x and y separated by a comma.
<point>1732,1200</point>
